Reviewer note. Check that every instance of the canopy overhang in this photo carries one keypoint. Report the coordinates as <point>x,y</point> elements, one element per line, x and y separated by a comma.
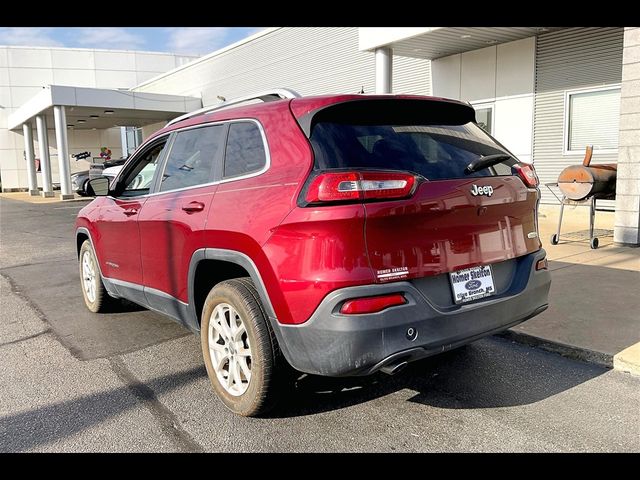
<point>436,42</point>
<point>99,108</point>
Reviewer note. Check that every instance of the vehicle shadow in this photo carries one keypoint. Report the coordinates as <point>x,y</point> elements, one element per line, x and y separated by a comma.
<point>487,374</point>
<point>123,306</point>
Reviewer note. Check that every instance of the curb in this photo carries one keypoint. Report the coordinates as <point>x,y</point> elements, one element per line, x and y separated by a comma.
<point>569,351</point>
<point>628,360</point>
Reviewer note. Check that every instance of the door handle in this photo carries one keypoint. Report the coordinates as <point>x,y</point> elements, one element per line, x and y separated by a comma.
<point>192,207</point>
<point>130,211</point>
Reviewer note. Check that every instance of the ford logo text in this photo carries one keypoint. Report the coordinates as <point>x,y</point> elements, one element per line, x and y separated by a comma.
<point>472,284</point>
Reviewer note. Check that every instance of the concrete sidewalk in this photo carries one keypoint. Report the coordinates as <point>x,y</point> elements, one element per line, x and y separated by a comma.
<point>594,303</point>
<point>26,197</point>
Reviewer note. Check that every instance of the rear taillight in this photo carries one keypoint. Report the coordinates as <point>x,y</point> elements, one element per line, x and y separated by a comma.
<point>527,174</point>
<point>372,304</point>
<point>354,186</point>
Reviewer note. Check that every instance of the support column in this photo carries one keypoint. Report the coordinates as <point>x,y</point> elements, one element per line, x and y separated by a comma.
<point>627,221</point>
<point>62,144</point>
<point>45,161</point>
<point>27,130</point>
<point>384,69</point>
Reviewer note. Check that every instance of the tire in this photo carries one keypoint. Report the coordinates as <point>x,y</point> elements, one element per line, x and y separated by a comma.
<point>252,354</point>
<point>594,243</point>
<point>554,239</point>
<point>95,294</point>
<point>83,192</point>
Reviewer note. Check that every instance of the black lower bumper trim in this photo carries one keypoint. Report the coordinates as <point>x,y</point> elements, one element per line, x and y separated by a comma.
<point>334,344</point>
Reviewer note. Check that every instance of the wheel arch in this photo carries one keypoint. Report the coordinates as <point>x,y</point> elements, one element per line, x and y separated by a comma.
<point>210,266</point>
<point>81,237</point>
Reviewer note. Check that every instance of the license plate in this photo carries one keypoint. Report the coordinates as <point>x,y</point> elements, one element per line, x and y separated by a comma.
<point>472,284</point>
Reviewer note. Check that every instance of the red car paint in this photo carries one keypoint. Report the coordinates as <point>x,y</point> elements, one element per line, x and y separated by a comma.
<point>303,253</point>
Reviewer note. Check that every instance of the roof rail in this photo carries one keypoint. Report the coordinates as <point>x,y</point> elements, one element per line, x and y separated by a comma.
<point>267,96</point>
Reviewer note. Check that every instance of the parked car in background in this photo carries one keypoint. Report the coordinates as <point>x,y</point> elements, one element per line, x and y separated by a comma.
<point>111,172</point>
<point>79,182</point>
<point>333,235</point>
<point>97,168</point>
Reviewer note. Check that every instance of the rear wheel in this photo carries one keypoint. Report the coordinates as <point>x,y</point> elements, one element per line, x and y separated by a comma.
<point>95,294</point>
<point>594,243</point>
<point>554,239</point>
<point>240,351</point>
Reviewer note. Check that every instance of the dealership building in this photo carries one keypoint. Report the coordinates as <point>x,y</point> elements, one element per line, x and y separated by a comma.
<point>544,92</point>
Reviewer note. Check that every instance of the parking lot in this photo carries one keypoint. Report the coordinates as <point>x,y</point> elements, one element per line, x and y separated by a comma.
<point>135,381</point>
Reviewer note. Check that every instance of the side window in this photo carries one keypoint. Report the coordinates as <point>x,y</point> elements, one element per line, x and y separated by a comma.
<point>190,161</point>
<point>245,150</point>
<point>139,180</point>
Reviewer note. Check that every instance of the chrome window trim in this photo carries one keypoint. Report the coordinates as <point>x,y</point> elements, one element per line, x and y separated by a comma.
<point>266,167</point>
<point>267,155</point>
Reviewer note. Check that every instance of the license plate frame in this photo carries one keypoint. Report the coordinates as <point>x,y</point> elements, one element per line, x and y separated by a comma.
<point>462,286</point>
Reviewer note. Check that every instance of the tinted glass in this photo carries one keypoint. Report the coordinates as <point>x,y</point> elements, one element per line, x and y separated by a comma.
<point>245,150</point>
<point>435,139</point>
<point>434,151</point>
<point>191,158</point>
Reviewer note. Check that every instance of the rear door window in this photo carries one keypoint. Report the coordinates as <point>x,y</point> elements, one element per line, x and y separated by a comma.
<point>192,157</point>
<point>245,150</point>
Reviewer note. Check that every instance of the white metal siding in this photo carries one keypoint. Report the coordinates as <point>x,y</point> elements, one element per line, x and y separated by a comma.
<point>567,60</point>
<point>310,60</point>
<point>411,75</point>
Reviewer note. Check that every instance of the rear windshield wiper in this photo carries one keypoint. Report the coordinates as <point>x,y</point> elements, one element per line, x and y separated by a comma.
<point>484,162</point>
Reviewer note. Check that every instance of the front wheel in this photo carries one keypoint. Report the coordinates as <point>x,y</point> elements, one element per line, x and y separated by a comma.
<point>94,292</point>
<point>240,351</point>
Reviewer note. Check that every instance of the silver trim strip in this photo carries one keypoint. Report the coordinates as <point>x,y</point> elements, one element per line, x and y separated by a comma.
<point>160,293</point>
<point>267,96</point>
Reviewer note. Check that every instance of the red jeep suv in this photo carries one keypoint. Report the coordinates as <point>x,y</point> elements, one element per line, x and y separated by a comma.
<point>338,235</point>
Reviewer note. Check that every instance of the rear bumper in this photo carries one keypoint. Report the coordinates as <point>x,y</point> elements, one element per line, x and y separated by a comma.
<point>333,344</point>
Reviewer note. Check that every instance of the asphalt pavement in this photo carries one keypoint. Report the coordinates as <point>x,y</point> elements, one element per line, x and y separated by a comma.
<point>134,381</point>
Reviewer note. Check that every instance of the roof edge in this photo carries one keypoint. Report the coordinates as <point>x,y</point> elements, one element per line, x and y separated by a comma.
<point>215,53</point>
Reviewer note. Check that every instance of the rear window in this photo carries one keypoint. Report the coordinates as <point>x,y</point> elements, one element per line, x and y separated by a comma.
<point>435,150</point>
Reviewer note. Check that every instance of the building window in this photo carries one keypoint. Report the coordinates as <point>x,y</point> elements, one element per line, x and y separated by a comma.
<point>131,139</point>
<point>592,117</point>
<point>484,117</point>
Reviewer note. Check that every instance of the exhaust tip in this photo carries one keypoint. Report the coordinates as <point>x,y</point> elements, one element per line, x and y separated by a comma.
<point>393,368</point>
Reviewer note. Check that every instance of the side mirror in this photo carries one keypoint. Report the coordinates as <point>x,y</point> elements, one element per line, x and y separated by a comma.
<point>98,187</point>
